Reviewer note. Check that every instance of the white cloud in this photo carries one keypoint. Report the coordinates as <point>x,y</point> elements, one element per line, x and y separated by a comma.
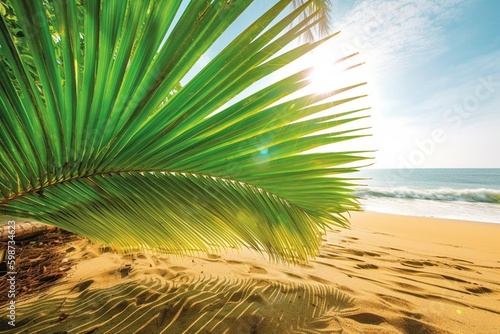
<point>398,33</point>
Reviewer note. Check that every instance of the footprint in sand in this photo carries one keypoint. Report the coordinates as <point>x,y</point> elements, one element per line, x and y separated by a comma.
<point>454,259</point>
<point>257,270</point>
<point>319,279</point>
<point>293,275</point>
<point>462,268</point>
<point>366,266</point>
<point>392,248</point>
<point>413,314</point>
<point>417,264</point>
<point>455,279</point>
<point>367,318</point>
<point>178,268</point>
<point>362,253</point>
<point>411,325</point>
<point>375,254</point>
<point>479,290</point>
<point>355,252</point>
<point>82,286</point>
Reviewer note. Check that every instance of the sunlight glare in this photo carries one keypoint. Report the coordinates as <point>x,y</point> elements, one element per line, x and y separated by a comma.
<point>325,75</point>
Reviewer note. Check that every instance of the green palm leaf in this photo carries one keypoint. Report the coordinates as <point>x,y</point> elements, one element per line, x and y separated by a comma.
<point>99,137</point>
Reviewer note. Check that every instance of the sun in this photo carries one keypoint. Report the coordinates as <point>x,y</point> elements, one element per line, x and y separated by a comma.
<point>332,70</point>
<point>326,73</point>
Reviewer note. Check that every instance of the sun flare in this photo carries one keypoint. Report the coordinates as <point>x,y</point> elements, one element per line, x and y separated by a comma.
<point>326,75</point>
<point>331,70</point>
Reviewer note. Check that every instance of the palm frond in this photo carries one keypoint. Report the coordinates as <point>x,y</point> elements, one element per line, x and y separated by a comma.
<point>320,9</point>
<point>98,136</point>
<point>181,212</point>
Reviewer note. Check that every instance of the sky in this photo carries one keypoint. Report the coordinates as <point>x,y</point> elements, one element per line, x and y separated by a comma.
<point>432,69</point>
<point>433,73</point>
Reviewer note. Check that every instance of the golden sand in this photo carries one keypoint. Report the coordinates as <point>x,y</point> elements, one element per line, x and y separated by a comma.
<point>386,274</point>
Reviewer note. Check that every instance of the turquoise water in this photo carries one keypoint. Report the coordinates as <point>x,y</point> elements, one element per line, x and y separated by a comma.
<point>467,194</point>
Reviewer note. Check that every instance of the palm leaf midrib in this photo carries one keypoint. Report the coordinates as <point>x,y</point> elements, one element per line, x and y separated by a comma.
<point>39,189</point>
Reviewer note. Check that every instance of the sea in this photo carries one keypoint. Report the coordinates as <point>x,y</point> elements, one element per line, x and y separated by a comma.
<point>464,194</point>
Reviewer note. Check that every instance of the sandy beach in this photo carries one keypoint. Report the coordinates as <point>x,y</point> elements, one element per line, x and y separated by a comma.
<point>386,274</point>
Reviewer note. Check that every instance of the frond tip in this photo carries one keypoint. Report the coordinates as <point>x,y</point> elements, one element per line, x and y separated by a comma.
<point>321,10</point>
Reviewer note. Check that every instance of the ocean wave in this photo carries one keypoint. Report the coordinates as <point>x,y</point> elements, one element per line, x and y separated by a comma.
<point>444,194</point>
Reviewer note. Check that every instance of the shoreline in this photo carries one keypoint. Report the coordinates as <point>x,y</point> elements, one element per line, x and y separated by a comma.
<point>430,217</point>
<point>464,211</point>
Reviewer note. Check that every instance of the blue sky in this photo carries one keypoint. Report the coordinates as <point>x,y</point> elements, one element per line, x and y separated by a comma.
<point>433,72</point>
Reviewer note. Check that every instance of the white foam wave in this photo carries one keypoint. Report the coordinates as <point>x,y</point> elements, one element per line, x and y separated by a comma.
<point>482,195</point>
